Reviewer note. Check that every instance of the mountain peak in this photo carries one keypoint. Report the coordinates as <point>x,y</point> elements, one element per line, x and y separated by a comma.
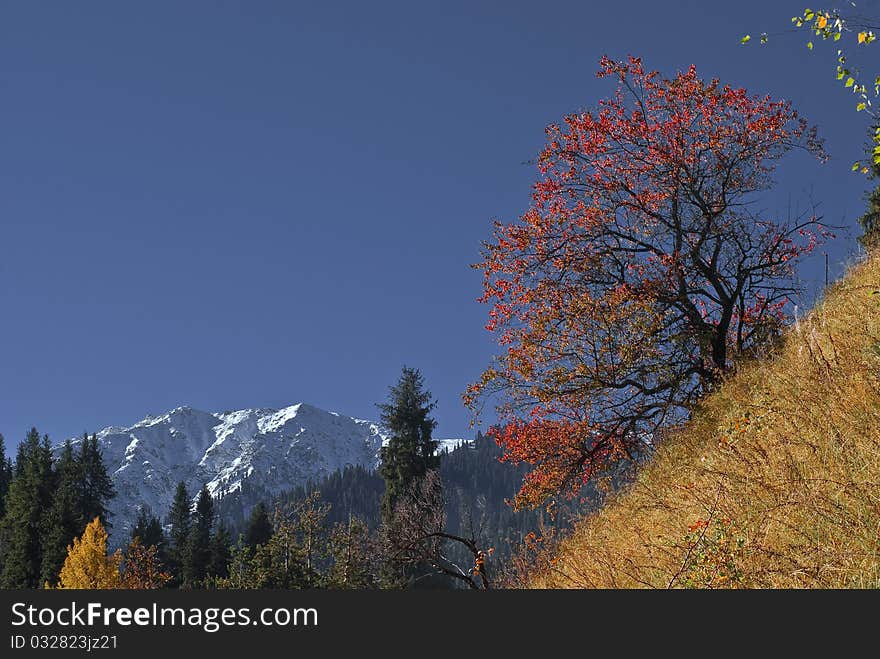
<point>252,454</point>
<point>268,450</point>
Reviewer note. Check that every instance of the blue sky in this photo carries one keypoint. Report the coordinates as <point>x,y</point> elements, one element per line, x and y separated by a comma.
<point>250,204</point>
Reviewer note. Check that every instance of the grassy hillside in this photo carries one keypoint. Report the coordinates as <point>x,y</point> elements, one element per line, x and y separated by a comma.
<point>774,483</point>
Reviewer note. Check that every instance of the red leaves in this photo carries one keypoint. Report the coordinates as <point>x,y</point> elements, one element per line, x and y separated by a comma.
<point>639,272</point>
<point>699,525</point>
<point>565,454</point>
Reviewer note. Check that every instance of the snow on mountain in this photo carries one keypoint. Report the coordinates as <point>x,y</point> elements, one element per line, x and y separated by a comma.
<point>449,445</point>
<point>274,450</point>
<point>270,450</point>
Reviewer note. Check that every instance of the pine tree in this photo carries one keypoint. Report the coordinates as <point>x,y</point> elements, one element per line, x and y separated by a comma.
<point>410,452</point>
<point>180,522</point>
<point>221,543</point>
<point>87,564</point>
<point>281,562</point>
<point>870,220</point>
<point>63,521</point>
<point>148,529</point>
<point>97,487</point>
<point>310,518</point>
<point>259,527</point>
<point>244,570</point>
<point>198,550</point>
<point>5,476</point>
<point>30,493</point>
<point>353,554</point>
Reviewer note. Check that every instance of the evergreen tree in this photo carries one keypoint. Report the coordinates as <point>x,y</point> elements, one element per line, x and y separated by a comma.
<point>5,479</point>
<point>198,550</point>
<point>97,487</point>
<point>244,570</point>
<point>310,526</point>
<point>63,521</point>
<point>30,493</point>
<point>5,475</point>
<point>259,527</point>
<point>293,556</point>
<point>352,491</point>
<point>221,544</point>
<point>180,522</point>
<point>148,529</point>
<point>870,221</point>
<point>87,564</point>
<point>410,452</point>
<point>354,555</point>
<point>281,562</point>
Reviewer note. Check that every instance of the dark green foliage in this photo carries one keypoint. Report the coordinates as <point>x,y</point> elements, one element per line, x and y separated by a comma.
<point>309,524</point>
<point>870,221</point>
<point>64,520</point>
<point>5,475</point>
<point>345,552</point>
<point>221,552</point>
<point>411,451</point>
<point>6,471</point>
<point>259,527</point>
<point>231,506</point>
<point>351,492</point>
<point>180,523</point>
<point>46,505</point>
<point>295,555</point>
<point>243,569</point>
<point>97,487</point>
<point>476,487</point>
<point>313,541</point>
<point>21,530</point>
<point>281,562</point>
<point>306,543</point>
<point>149,529</point>
<point>197,556</point>
<point>353,556</point>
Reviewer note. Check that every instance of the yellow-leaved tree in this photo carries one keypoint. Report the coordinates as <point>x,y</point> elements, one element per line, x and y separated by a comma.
<point>87,564</point>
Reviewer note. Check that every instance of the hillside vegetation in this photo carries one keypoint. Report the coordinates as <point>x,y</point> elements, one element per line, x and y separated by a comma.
<point>774,483</point>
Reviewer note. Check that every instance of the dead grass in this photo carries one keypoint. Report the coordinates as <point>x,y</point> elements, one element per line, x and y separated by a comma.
<point>775,483</point>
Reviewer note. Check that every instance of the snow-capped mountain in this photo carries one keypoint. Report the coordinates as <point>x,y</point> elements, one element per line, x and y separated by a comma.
<point>267,451</point>
<point>273,450</point>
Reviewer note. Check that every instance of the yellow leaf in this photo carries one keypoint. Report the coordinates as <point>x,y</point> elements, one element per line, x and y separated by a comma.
<point>862,37</point>
<point>87,564</point>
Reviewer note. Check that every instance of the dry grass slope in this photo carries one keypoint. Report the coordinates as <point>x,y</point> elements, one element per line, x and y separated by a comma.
<point>775,482</point>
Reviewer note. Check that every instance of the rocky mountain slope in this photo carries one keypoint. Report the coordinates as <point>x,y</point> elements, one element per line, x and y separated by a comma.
<point>270,450</point>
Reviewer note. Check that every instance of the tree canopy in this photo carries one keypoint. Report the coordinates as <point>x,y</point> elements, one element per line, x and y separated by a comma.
<point>640,271</point>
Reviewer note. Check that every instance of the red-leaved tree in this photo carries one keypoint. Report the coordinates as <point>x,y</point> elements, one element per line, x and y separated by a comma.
<point>640,272</point>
